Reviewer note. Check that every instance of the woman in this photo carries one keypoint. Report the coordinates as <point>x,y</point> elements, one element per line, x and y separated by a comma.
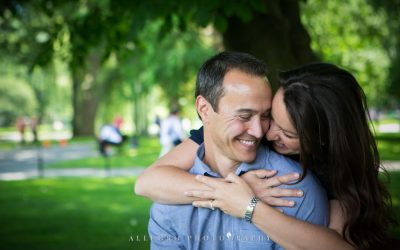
<point>318,117</point>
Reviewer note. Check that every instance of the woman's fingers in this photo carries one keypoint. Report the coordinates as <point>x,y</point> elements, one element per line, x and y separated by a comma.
<point>203,194</point>
<point>281,192</point>
<point>211,204</point>
<point>278,202</point>
<point>264,173</point>
<point>282,179</point>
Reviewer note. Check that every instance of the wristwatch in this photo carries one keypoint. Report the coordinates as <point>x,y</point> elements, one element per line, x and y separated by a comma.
<point>250,209</point>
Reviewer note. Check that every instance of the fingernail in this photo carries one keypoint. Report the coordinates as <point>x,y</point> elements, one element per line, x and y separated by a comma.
<point>300,193</point>
<point>291,203</point>
<point>296,175</point>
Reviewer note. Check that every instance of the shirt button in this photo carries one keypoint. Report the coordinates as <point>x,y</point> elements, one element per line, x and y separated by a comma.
<point>229,235</point>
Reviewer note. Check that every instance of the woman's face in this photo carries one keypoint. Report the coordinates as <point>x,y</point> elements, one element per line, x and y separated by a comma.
<point>282,132</point>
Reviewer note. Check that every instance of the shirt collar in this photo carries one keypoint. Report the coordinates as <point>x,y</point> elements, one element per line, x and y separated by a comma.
<point>201,168</point>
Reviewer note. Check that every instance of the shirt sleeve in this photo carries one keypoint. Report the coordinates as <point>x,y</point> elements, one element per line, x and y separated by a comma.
<point>162,234</point>
<point>197,135</point>
<point>313,207</point>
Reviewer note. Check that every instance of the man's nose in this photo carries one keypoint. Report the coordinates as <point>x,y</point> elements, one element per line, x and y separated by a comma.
<point>257,128</point>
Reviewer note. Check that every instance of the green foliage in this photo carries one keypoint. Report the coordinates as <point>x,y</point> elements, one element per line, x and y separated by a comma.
<point>350,34</point>
<point>17,98</point>
<point>118,51</point>
<point>392,45</point>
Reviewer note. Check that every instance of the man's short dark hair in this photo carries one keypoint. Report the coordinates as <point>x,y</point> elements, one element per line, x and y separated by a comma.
<point>212,72</point>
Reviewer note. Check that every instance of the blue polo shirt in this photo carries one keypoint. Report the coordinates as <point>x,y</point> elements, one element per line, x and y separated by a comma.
<point>188,227</point>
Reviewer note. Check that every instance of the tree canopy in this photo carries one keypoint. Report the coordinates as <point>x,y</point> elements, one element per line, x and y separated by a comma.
<point>117,51</point>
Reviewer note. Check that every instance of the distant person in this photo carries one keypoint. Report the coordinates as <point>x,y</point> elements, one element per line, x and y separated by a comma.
<point>157,121</point>
<point>171,132</point>
<point>20,124</point>
<point>33,124</point>
<point>110,135</point>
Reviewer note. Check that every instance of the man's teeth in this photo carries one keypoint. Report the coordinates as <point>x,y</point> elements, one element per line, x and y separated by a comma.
<point>247,142</point>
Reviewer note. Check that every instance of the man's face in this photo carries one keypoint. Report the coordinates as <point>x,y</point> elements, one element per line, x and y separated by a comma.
<point>242,118</point>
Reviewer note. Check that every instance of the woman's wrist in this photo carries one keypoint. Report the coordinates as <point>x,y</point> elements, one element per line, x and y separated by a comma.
<point>248,215</point>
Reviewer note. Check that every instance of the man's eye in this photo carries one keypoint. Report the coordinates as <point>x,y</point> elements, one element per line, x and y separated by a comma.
<point>245,117</point>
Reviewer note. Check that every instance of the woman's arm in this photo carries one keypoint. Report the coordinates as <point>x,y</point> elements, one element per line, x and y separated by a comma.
<point>234,195</point>
<point>167,179</point>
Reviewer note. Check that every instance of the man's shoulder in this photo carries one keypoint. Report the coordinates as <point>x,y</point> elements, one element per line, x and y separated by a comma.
<point>277,161</point>
<point>285,165</point>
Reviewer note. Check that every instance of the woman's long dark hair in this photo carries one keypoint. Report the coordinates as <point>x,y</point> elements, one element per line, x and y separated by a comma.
<point>328,108</point>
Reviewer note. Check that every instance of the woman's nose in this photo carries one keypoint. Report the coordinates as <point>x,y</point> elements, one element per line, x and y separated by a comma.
<point>272,134</point>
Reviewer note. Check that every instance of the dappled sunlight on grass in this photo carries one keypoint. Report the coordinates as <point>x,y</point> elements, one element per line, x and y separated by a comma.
<point>85,213</point>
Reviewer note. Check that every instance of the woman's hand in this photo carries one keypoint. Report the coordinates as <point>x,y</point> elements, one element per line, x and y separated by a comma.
<point>231,195</point>
<point>264,184</point>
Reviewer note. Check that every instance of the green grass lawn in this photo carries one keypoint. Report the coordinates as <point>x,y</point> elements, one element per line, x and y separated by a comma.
<point>72,213</point>
<point>389,146</point>
<point>85,213</point>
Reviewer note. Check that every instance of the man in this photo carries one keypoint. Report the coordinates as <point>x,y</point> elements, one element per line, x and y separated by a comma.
<point>110,135</point>
<point>233,100</point>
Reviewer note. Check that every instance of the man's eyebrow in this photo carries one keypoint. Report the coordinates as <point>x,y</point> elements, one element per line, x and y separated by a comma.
<point>244,110</point>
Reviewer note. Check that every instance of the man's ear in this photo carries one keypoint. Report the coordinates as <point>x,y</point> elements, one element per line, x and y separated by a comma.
<point>203,108</point>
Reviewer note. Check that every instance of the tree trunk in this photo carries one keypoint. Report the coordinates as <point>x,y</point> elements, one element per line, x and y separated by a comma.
<point>86,95</point>
<point>84,109</point>
<point>277,36</point>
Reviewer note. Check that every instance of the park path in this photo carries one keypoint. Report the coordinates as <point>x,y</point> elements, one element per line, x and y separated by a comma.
<point>22,163</point>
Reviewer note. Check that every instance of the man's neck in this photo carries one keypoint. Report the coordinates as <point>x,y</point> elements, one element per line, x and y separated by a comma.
<point>217,161</point>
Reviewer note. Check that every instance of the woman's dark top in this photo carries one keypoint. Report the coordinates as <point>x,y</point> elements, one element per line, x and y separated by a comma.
<point>197,136</point>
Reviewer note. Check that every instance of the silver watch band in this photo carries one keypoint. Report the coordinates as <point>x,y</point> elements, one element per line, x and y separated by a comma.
<point>250,209</point>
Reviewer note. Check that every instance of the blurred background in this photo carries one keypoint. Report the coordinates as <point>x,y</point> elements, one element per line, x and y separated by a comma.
<point>68,69</point>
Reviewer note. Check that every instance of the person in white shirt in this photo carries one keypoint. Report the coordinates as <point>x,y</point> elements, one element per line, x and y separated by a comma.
<point>110,135</point>
<point>171,133</point>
